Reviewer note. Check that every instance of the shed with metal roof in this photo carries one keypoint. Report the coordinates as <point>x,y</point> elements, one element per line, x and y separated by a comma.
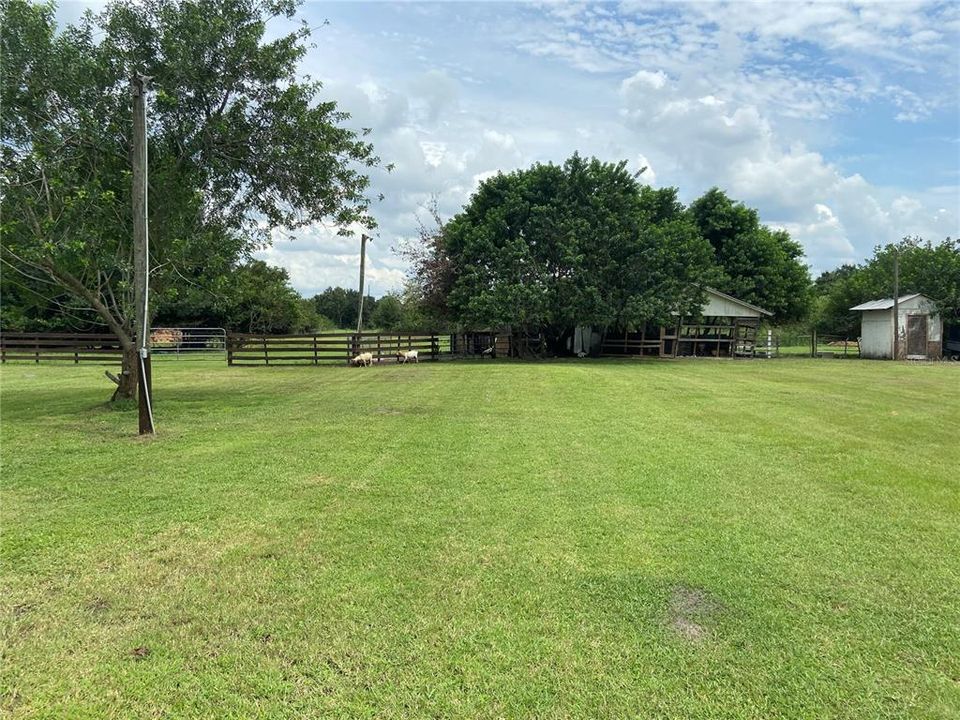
<point>919,328</point>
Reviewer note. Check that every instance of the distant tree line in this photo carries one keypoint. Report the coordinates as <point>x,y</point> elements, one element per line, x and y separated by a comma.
<point>252,297</point>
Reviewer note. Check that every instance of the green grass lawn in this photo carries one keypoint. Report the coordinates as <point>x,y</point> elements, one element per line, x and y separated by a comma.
<point>690,539</point>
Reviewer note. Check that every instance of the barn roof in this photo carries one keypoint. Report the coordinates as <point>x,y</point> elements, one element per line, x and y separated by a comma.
<point>884,304</point>
<point>731,298</point>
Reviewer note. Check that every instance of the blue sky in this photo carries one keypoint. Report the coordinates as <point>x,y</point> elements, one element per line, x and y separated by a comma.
<point>838,121</point>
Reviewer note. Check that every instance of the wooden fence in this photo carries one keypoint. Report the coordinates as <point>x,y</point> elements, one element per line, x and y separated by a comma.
<point>243,349</point>
<point>66,347</point>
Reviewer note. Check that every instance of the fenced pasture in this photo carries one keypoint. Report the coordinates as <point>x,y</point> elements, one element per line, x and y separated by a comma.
<point>793,344</point>
<point>73,348</point>
<point>105,348</point>
<point>339,347</point>
<point>601,539</point>
<point>322,348</point>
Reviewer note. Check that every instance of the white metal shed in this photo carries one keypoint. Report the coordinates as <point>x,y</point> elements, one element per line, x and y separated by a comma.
<point>919,328</point>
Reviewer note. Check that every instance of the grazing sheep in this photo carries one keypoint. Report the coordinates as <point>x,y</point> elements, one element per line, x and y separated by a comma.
<point>405,355</point>
<point>364,359</point>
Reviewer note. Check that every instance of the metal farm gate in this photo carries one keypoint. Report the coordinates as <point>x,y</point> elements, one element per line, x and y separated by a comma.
<point>189,342</point>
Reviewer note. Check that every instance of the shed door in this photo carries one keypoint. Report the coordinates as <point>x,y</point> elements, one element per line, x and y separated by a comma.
<point>917,335</point>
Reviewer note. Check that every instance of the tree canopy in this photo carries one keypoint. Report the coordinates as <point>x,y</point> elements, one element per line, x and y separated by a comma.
<point>240,146</point>
<point>932,269</point>
<point>759,265</point>
<point>555,246</point>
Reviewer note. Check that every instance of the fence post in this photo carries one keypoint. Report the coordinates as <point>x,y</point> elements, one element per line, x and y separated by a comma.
<point>315,359</point>
<point>434,347</point>
<point>229,348</point>
<point>266,356</point>
<point>813,343</point>
<point>36,345</point>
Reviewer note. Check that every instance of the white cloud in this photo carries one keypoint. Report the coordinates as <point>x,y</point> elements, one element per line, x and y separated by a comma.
<point>645,79</point>
<point>748,96</point>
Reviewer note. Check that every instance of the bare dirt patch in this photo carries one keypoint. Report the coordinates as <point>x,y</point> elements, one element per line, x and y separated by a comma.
<point>688,611</point>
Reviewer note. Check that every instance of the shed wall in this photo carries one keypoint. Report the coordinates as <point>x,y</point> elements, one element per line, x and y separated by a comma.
<point>876,334</point>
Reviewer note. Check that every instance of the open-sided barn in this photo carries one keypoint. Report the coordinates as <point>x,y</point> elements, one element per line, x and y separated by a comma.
<point>728,328</point>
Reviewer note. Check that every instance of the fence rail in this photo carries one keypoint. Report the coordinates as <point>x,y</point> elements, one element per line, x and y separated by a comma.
<point>76,348</point>
<point>245,349</point>
<point>820,346</point>
<point>105,348</point>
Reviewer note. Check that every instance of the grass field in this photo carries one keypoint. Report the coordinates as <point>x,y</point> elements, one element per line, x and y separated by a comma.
<point>691,539</point>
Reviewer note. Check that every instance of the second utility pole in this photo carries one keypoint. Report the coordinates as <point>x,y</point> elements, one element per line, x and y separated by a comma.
<point>896,303</point>
<point>363,262</point>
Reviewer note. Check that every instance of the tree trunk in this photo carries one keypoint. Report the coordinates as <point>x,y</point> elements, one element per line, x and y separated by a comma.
<point>127,389</point>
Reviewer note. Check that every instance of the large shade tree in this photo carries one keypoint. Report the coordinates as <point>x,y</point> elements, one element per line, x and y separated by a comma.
<point>241,147</point>
<point>554,246</point>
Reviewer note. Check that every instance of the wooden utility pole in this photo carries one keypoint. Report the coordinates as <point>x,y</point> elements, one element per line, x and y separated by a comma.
<point>363,262</point>
<point>896,303</point>
<point>141,253</point>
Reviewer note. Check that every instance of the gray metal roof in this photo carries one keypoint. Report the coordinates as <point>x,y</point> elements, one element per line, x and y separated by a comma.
<point>884,304</point>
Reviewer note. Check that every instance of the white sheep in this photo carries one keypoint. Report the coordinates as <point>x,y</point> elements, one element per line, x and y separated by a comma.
<point>364,359</point>
<point>405,355</point>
